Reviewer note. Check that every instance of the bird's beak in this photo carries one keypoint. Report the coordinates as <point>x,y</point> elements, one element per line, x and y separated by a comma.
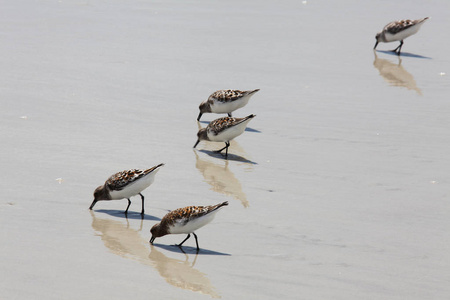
<point>92,205</point>
<point>152,240</point>
<point>198,141</point>
<point>376,44</point>
<point>199,116</point>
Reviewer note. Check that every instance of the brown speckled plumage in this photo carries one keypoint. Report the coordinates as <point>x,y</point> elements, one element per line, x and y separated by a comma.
<point>183,215</point>
<point>221,124</point>
<point>228,95</point>
<point>121,179</point>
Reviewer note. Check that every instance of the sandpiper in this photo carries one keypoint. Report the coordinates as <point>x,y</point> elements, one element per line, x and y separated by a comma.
<point>126,184</point>
<point>225,101</point>
<point>223,130</point>
<point>398,31</point>
<point>185,221</point>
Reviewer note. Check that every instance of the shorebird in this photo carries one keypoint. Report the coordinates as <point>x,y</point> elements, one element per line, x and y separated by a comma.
<point>223,130</point>
<point>185,221</point>
<point>398,31</point>
<point>225,101</point>
<point>126,184</point>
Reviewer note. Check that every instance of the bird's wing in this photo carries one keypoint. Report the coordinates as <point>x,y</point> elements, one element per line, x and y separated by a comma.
<point>121,179</point>
<point>226,95</point>
<point>221,124</point>
<point>397,26</point>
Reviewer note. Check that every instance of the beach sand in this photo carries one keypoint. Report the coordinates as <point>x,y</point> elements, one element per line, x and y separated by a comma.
<point>339,189</point>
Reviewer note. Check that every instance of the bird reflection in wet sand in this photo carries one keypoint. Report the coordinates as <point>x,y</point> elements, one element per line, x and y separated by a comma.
<point>181,273</point>
<point>395,74</point>
<point>120,239</point>
<point>221,179</point>
<point>126,242</point>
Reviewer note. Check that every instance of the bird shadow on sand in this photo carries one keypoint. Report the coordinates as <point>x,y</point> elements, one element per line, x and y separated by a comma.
<point>403,54</point>
<point>248,129</point>
<point>233,157</point>
<point>189,250</point>
<point>129,215</point>
<point>252,130</point>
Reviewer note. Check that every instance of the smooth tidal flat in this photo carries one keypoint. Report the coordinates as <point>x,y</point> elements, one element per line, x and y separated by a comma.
<point>339,188</point>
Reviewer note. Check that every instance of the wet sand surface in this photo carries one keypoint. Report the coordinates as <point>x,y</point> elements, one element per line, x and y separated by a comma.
<point>339,188</point>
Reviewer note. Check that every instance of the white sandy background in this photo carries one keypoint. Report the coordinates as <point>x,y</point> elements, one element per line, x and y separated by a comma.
<point>339,190</point>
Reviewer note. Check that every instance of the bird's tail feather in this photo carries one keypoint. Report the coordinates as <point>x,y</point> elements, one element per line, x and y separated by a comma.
<point>220,205</point>
<point>252,92</point>
<point>153,169</point>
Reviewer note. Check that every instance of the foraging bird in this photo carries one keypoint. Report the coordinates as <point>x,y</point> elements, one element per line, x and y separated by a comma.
<point>225,101</point>
<point>398,31</point>
<point>126,184</point>
<point>185,221</point>
<point>223,130</point>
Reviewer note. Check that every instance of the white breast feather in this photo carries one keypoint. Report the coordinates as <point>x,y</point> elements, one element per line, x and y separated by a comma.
<point>402,34</point>
<point>193,224</point>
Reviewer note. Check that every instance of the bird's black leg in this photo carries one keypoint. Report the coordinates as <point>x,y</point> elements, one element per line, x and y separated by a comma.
<point>395,50</point>
<point>129,203</point>
<point>196,241</point>
<point>142,197</point>
<point>227,144</point>
<point>226,151</point>
<point>229,114</point>
<point>220,150</point>
<point>188,236</point>
<point>399,48</point>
